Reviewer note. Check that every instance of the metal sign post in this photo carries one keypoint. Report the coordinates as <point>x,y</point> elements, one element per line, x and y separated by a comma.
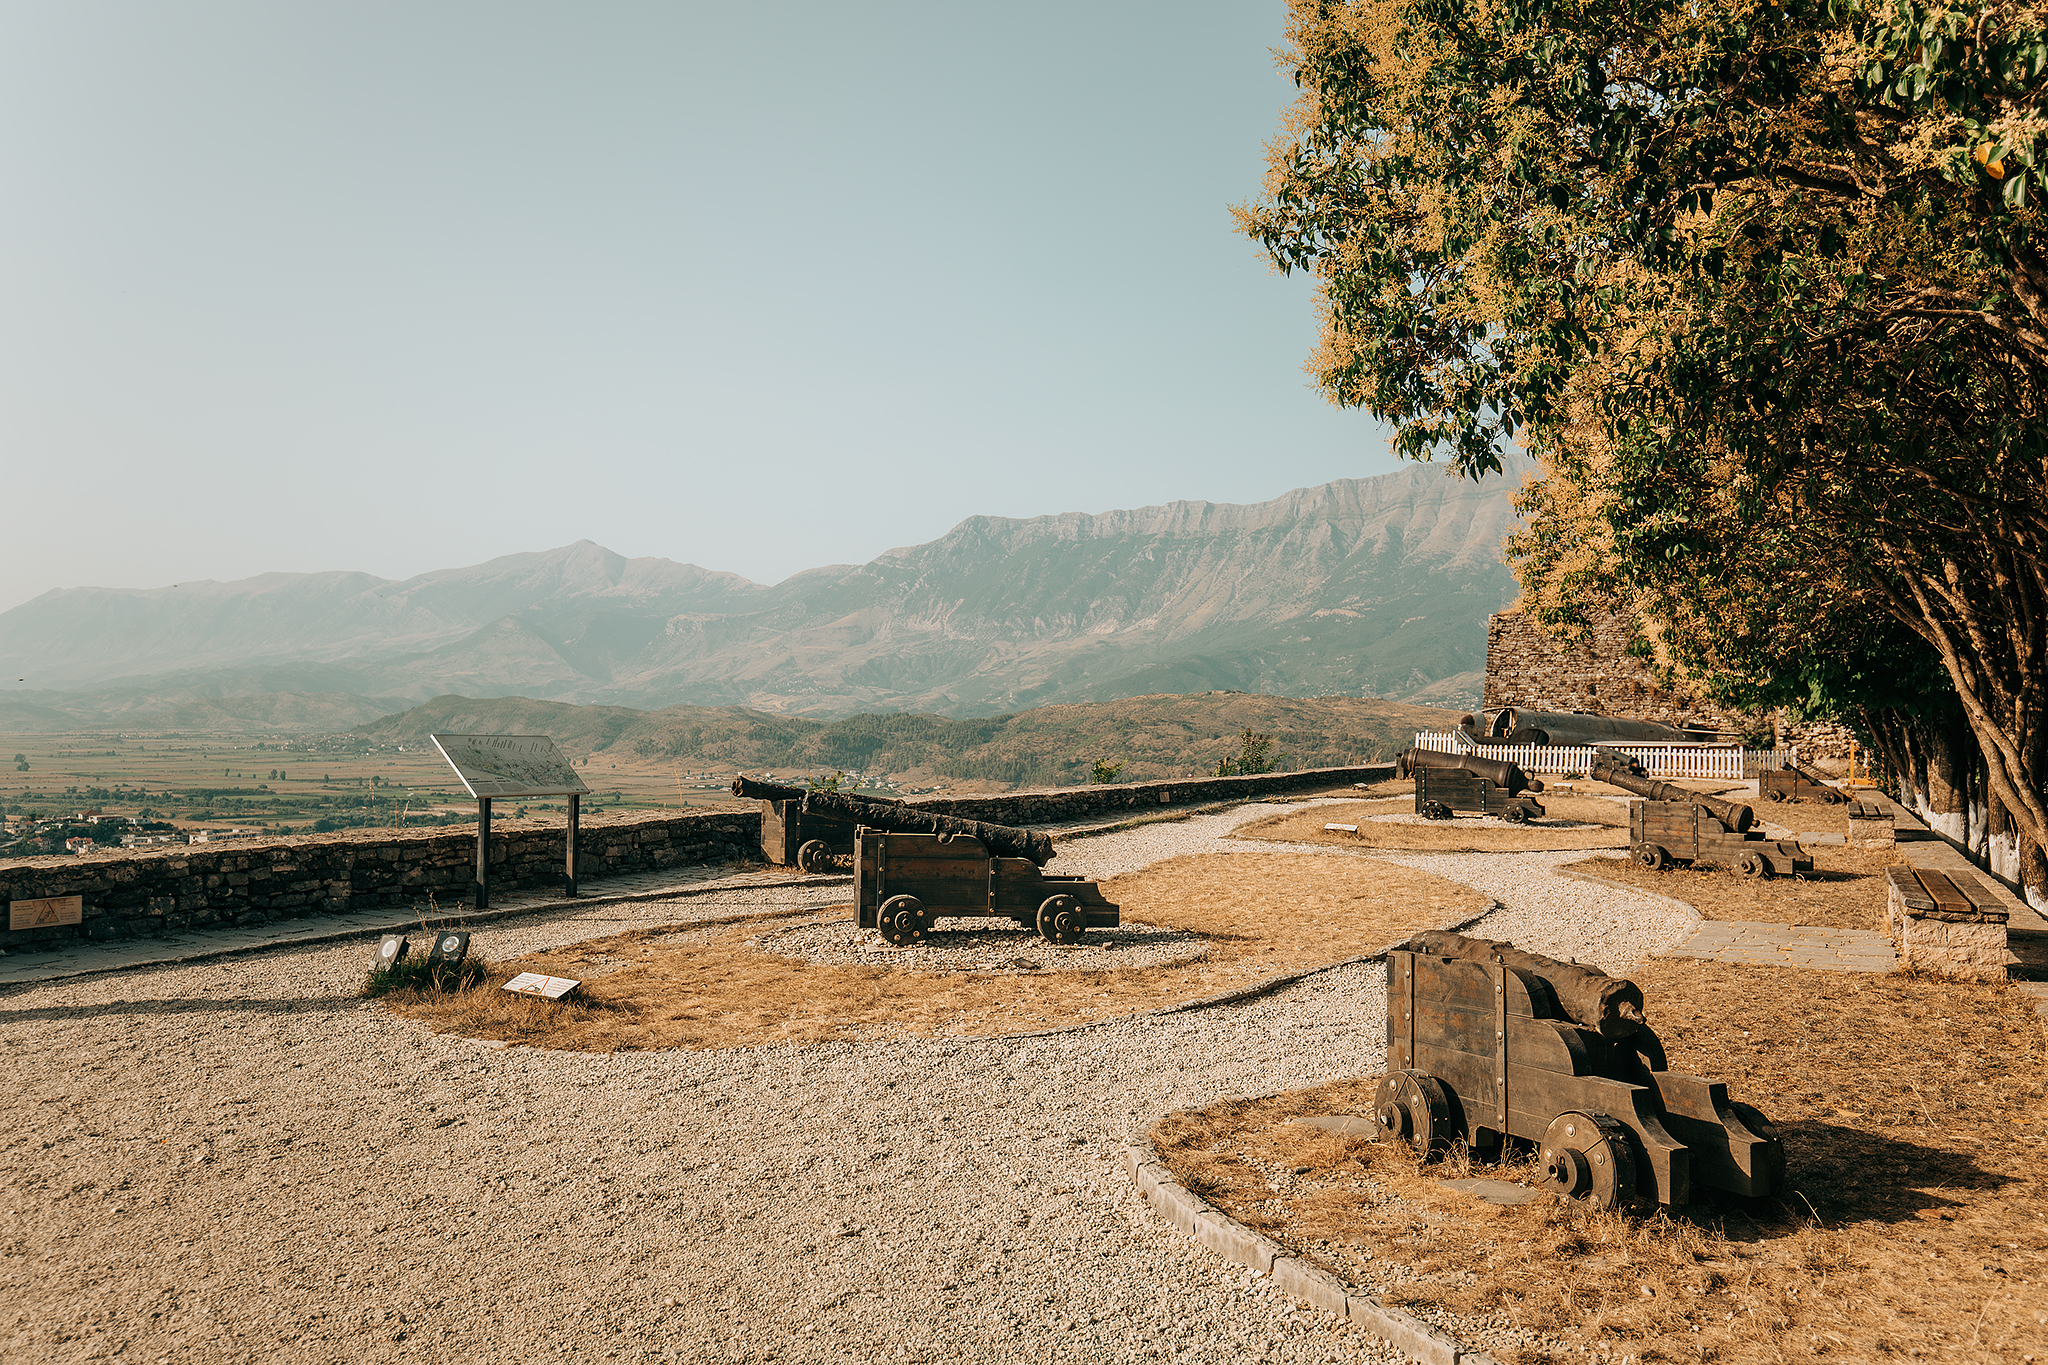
<point>517,766</point>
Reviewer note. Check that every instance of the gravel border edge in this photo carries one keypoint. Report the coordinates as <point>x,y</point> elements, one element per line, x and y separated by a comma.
<point>1261,1255</point>
<point>1697,918</point>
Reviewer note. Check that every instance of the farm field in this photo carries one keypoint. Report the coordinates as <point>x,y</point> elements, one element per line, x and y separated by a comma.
<point>212,779</point>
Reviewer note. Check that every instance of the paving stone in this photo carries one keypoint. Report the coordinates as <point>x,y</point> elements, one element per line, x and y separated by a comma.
<point>1749,943</point>
<point>1496,1191</point>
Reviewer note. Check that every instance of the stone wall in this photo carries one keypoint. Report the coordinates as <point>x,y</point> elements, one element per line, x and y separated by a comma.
<point>1525,667</point>
<point>138,892</point>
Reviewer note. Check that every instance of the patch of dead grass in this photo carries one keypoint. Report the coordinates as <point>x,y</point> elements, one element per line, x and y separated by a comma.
<point>1462,835</point>
<point>1915,1128</point>
<point>1845,890</point>
<point>1260,914</point>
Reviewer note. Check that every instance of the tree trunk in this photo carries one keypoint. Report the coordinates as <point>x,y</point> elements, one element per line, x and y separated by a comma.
<point>1950,756</point>
<point>2002,850</point>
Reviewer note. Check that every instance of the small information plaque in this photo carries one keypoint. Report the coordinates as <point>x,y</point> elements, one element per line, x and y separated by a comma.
<point>533,983</point>
<point>46,912</point>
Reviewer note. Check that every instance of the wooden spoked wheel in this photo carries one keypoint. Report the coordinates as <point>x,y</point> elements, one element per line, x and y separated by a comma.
<point>1653,858</point>
<point>813,857</point>
<point>902,921</point>
<point>1411,1107</point>
<point>1590,1157</point>
<point>1753,866</point>
<point>1060,920</point>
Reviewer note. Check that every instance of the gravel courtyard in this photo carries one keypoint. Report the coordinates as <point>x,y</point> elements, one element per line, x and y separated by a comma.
<point>241,1160</point>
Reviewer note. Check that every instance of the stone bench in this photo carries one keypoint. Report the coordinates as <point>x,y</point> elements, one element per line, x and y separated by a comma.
<point>1946,923</point>
<point>1870,825</point>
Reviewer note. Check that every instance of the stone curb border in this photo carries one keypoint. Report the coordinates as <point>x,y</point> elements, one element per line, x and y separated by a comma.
<point>413,921</point>
<point>1262,1255</point>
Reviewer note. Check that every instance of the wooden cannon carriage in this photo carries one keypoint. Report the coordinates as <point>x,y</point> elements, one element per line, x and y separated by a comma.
<point>1487,1043</point>
<point>904,882</point>
<point>1797,782</point>
<point>1448,783</point>
<point>1673,825</point>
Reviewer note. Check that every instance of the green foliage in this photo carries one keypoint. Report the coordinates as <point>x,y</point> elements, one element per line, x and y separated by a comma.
<point>1251,758</point>
<point>417,974</point>
<point>1758,283</point>
<point>1104,771</point>
<point>828,784</point>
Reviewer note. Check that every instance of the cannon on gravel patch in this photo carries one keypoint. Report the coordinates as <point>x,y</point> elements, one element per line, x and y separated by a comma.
<point>905,882</point>
<point>1674,825</point>
<point>1448,783</point>
<point>814,830</point>
<point>1797,782</point>
<point>1488,1044</point>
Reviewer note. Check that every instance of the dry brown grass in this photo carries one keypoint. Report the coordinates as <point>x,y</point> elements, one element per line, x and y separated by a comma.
<point>1462,835</point>
<point>1845,890</point>
<point>1915,1131</point>
<point>1261,914</point>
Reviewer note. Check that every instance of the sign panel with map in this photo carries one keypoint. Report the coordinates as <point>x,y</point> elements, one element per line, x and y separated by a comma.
<point>510,765</point>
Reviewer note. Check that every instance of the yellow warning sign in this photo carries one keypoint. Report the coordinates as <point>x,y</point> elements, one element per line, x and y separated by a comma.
<point>48,911</point>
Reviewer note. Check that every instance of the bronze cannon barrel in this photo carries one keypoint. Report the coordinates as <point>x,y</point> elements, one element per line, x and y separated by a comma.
<point>1509,777</point>
<point>1734,814</point>
<point>1002,841</point>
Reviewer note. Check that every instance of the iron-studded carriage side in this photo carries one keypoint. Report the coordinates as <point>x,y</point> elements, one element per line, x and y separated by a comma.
<point>810,841</point>
<point>1486,1043</point>
<point>904,882</point>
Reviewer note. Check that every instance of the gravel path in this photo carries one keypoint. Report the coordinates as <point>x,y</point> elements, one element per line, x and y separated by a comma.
<point>239,1160</point>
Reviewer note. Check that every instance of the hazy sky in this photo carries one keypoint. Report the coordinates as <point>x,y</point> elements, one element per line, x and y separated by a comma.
<point>395,287</point>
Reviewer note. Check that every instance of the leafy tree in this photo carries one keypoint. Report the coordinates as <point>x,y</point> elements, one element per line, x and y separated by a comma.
<point>1761,284</point>
<point>1252,751</point>
<point>1105,771</point>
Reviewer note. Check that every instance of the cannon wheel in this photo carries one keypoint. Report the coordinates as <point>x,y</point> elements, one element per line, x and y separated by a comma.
<point>1060,920</point>
<point>1653,858</point>
<point>1411,1107</point>
<point>1774,793</point>
<point>1437,810</point>
<point>1753,866</point>
<point>1516,815</point>
<point>1590,1157</point>
<point>813,857</point>
<point>902,922</point>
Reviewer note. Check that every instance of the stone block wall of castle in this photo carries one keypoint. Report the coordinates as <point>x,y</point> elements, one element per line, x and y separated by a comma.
<point>1525,667</point>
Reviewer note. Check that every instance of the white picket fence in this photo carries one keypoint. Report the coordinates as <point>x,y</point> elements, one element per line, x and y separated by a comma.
<point>1729,762</point>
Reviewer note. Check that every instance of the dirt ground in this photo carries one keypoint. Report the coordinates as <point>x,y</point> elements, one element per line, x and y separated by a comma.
<point>1845,890</point>
<point>1259,915</point>
<point>1915,1223</point>
<point>1466,834</point>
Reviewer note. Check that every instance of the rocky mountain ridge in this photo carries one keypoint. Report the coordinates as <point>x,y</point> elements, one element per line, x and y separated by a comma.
<point>1378,586</point>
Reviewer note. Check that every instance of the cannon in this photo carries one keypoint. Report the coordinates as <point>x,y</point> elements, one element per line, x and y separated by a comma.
<point>813,830</point>
<point>1798,782</point>
<point>1674,825</point>
<point>905,882</point>
<point>1490,1044</point>
<point>1519,725</point>
<point>1447,783</point>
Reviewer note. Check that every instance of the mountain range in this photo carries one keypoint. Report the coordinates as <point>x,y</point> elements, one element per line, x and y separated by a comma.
<point>1378,586</point>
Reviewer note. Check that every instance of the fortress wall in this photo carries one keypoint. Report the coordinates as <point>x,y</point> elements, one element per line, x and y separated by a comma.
<point>139,892</point>
<point>1525,667</point>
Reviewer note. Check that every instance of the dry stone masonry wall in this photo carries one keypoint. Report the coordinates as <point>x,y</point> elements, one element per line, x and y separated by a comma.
<point>137,892</point>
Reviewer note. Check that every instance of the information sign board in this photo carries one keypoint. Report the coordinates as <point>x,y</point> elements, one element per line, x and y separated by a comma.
<point>533,983</point>
<point>510,765</point>
<point>39,914</point>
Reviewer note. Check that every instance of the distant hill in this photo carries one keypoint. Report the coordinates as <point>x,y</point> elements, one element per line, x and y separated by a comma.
<point>1154,737</point>
<point>178,708</point>
<point>1377,586</point>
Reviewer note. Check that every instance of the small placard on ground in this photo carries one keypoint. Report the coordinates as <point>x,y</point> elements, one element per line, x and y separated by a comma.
<point>510,765</point>
<point>1348,829</point>
<point>41,914</point>
<point>533,983</point>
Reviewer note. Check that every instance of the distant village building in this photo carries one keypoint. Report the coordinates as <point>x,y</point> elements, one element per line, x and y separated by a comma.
<point>81,844</point>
